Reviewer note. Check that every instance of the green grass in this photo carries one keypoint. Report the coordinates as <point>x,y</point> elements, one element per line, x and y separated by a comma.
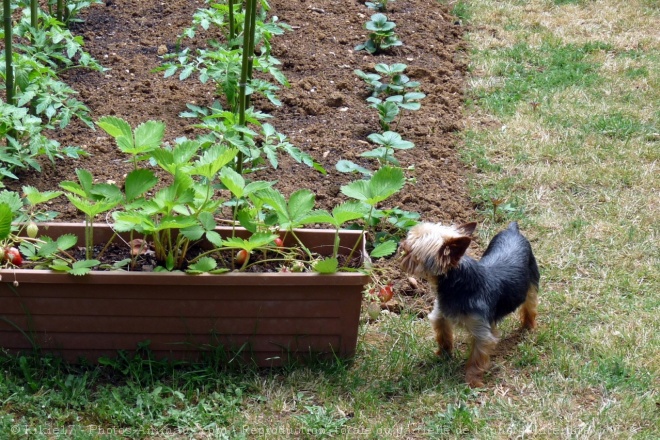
<point>571,92</point>
<point>576,148</point>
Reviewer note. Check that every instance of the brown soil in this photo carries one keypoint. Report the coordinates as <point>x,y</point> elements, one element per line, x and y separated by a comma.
<point>324,111</point>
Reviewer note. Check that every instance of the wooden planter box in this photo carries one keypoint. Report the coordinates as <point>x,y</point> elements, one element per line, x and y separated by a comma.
<point>268,318</point>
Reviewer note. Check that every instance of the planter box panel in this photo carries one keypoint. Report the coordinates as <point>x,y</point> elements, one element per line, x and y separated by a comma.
<point>52,324</point>
<point>267,318</point>
<point>178,279</point>
<point>167,342</point>
<point>173,308</point>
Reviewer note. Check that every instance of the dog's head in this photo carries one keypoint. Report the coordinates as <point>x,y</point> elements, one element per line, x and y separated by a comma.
<point>432,249</point>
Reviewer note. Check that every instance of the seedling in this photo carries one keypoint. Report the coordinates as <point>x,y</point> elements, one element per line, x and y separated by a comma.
<point>382,36</point>
<point>387,112</point>
<point>246,246</point>
<point>389,109</point>
<point>388,142</point>
<point>392,82</point>
<point>17,214</point>
<point>378,5</point>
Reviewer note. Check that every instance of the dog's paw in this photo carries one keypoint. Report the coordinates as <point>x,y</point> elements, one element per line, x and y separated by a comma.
<point>443,353</point>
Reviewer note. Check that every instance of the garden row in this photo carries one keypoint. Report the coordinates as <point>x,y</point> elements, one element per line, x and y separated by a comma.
<point>236,143</point>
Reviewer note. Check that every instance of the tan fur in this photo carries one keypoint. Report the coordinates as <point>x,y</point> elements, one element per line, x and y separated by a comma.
<point>483,346</point>
<point>425,252</point>
<point>528,309</point>
<point>444,333</point>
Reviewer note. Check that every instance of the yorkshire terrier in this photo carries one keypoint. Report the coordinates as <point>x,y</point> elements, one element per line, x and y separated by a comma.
<point>475,294</point>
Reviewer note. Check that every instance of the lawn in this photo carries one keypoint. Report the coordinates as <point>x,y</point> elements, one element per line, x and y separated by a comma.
<point>561,132</point>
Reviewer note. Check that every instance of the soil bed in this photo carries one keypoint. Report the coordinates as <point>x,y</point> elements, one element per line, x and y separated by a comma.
<point>324,112</point>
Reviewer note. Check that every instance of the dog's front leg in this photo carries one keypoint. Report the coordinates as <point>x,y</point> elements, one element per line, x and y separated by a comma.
<point>444,333</point>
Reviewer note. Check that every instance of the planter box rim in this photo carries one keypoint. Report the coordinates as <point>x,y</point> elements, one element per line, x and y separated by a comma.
<point>359,276</point>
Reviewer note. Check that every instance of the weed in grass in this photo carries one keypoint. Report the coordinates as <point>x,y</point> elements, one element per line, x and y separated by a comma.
<point>320,422</point>
<point>455,419</point>
<point>462,10</point>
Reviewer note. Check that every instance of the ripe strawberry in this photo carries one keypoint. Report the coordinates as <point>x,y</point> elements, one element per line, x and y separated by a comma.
<point>242,256</point>
<point>13,256</point>
<point>279,242</point>
<point>386,293</point>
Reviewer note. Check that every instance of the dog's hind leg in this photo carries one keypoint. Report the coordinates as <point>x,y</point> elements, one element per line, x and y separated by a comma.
<point>528,309</point>
<point>483,346</point>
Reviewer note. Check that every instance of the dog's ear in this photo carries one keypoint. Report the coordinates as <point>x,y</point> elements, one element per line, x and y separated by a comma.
<point>454,248</point>
<point>467,228</point>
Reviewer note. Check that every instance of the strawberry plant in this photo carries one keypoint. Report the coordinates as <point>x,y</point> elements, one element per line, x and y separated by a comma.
<point>378,5</point>
<point>384,183</point>
<point>257,147</point>
<point>387,143</point>
<point>139,143</point>
<point>92,199</point>
<point>382,36</point>
<point>231,67</point>
<point>29,249</point>
<point>389,96</point>
<point>393,81</point>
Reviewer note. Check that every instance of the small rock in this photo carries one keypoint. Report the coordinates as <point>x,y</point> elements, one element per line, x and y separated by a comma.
<point>162,49</point>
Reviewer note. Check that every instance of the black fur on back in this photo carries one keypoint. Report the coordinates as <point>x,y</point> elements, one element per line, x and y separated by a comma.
<point>494,286</point>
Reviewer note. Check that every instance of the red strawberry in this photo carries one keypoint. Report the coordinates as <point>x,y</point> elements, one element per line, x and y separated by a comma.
<point>279,242</point>
<point>386,293</point>
<point>13,256</point>
<point>242,256</point>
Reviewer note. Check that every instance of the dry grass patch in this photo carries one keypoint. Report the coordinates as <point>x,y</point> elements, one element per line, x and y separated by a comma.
<point>570,92</point>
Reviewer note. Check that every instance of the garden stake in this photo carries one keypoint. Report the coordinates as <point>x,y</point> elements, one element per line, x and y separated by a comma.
<point>248,35</point>
<point>231,23</point>
<point>34,13</point>
<point>9,78</point>
<point>253,24</point>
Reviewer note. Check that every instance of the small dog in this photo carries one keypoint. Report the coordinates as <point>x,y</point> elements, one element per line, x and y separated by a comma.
<point>476,294</point>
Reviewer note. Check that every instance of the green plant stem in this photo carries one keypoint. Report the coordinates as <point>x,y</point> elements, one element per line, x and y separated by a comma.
<point>335,248</point>
<point>34,13</point>
<point>248,34</point>
<point>253,37</point>
<point>302,246</point>
<point>59,11</point>
<point>9,69</point>
<point>182,245</point>
<point>107,245</point>
<point>232,25</point>
<point>89,237</point>
<point>266,260</point>
<point>364,230</point>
